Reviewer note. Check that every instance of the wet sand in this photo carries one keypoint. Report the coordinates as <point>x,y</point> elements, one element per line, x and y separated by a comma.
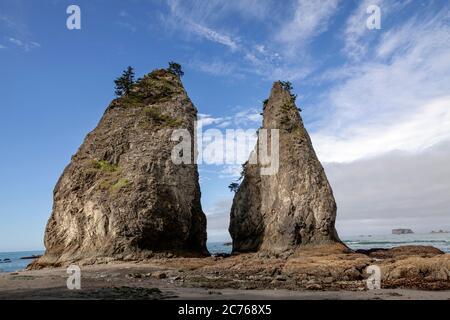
<point>147,281</point>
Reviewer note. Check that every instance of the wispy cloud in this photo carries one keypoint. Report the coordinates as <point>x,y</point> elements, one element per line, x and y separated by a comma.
<point>423,128</point>
<point>25,45</point>
<point>228,141</point>
<point>231,172</point>
<point>183,19</point>
<point>358,38</point>
<point>248,117</point>
<point>243,118</point>
<point>397,101</point>
<point>212,35</point>
<point>382,105</point>
<point>9,23</point>
<point>356,41</point>
<point>216,67</point>
<point>206,120</point>
<point>127,25</point>
<point>217,10</point>
<point>198,19</point>
<point>128,21</point>
<point>17,33</point>
<point>311,18</point>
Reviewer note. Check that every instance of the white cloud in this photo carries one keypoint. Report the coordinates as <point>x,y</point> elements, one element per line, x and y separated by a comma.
<point>248,117</point>
<point>241,119</point>
<point>358,38</point>
<point>216,10</point>
<point>232,171</point>
<point>228,140</point>
<point>228,147</point>
<point>206,120</point>
<point>384,119</point>
<point>198,18</point>
<point>247,8</point>
<point>356,30</point>
<point>212,35</point>
<point>311,18</point>
<point>399,101</point>
<point>423,128</point>
<point>189,19</point>
<point>216,68</point>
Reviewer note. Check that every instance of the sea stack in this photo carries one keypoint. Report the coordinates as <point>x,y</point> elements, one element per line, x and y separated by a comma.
<point>121,196</point>
<point>281,212</point>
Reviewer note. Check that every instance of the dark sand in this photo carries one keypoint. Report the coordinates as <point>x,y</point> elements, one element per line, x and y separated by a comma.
<point>142,281</point>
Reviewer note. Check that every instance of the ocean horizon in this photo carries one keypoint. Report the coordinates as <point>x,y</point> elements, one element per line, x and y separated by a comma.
<point>12,261</point>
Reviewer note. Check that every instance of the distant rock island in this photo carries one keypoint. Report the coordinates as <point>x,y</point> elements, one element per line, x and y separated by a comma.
<point>402,231</point>
<point>440,231</point>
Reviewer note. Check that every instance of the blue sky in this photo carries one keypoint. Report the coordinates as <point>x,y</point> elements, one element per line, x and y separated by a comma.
<point>376,102</point>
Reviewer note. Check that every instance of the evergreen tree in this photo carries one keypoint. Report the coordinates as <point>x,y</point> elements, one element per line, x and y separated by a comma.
<point>125,82</point>
<point>286,85</point>
<point>175,68</point>
<point>234,187</point>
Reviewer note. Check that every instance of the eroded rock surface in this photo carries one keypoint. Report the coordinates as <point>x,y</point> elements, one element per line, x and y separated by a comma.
<point>402,252</point>
<point>278,213</point>
<point>121,196</point>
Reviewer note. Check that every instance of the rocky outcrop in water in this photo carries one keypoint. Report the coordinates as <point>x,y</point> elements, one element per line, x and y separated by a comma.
<point>278,213</point>
<point>121,196</point>
<point>402,231</point>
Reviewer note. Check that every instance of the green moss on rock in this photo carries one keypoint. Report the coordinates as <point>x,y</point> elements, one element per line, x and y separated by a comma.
<point>161,119</point>
<point>105,166</point>
<point>121,183</point>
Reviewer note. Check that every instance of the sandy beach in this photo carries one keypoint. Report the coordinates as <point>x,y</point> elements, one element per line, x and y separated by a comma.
<point>407,273</point>
<point>114,282</point>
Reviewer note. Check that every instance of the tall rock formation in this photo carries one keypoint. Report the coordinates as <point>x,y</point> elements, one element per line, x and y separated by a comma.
<point>121,196</point>
<point>279,213</point>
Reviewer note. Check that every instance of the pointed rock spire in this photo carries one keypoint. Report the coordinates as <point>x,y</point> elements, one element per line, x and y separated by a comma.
<point>294,206</point>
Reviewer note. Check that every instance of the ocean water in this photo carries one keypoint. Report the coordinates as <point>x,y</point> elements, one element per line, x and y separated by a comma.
<point>219,247</point>
<point>438,240</point>
<point>16,263</point>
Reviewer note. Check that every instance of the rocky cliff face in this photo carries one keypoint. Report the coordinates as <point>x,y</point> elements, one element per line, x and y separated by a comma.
<point>121,196</point>
<point>278,213</point>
